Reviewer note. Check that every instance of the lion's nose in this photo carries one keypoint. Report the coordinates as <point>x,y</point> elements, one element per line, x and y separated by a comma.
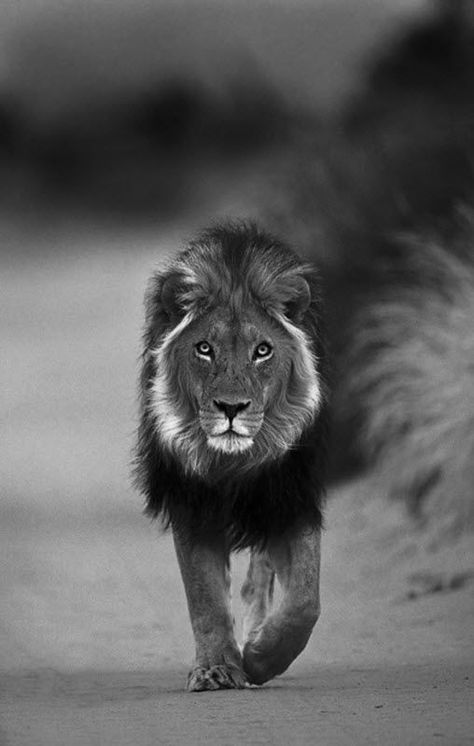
<point>229,409</point>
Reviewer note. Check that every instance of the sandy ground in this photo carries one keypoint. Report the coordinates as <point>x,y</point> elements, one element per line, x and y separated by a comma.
<point>94,636</point>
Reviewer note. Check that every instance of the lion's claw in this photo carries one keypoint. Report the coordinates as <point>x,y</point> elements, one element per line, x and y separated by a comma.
<point>202,679</point>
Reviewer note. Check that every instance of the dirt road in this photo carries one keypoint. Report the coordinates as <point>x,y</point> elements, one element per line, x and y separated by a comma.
<point>94,635</point>
<point>405,705</point>
<point>95,644</point>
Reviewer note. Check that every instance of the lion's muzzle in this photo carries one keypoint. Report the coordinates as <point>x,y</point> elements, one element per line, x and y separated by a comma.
<point>230,426</point>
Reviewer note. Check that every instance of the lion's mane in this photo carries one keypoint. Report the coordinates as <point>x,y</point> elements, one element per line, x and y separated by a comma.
<point>253,496</point>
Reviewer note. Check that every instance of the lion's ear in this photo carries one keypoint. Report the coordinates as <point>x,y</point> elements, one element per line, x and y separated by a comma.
<point>172,301</point>
<point>299,301</point>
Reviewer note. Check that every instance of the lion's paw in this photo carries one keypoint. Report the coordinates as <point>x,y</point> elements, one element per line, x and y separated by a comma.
<point>202,679</point>
<point>258,666</point>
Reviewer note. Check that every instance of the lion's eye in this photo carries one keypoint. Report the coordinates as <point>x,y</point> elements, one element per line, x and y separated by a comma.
<point>204,349</point>
<point>263,351</point>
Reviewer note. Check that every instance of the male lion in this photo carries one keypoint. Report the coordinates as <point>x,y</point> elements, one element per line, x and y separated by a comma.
<point>231,441</point>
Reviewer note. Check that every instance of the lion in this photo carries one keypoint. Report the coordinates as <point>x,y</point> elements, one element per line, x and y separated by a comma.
<point>231,444</point>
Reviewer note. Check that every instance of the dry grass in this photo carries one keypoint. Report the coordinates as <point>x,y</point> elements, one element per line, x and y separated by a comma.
<point>411,380</point>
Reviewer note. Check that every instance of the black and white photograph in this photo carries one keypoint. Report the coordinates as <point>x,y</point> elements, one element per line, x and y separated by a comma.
<point>237,378</point>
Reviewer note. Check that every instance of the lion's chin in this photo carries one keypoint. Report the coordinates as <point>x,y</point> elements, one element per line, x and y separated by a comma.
<point>229,442</point>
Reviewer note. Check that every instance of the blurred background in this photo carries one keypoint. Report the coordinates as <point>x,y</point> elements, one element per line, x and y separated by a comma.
<point>122,128</point>
<point>341,126</point>
<point>137,108</point>
<point>345,127</point>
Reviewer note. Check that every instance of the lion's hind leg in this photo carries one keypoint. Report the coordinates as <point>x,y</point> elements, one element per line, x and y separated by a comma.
<point>273,645</point>
<point>257,594</point>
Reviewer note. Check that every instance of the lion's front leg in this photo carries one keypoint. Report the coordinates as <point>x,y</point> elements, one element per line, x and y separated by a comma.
<point>205,572</point>
<point>270,649</point>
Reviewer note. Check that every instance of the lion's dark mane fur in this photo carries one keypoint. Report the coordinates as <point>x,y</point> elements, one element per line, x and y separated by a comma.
<point>249,510</point>
<point>251,506</point>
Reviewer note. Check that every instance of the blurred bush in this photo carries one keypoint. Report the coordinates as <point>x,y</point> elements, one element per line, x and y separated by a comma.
<point>382,199</point>
<point>153,152</point>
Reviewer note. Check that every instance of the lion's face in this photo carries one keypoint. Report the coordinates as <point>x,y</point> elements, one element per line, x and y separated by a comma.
<point>234,377</point>
<point>236,367</point>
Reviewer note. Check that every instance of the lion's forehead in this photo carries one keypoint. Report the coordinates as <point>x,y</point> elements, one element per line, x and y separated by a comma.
<point>234,331</point>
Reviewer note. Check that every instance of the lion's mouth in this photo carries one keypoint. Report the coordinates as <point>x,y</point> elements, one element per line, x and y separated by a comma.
<point>230,431</point>
<point>229,441</point>
<point>230,435</point>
